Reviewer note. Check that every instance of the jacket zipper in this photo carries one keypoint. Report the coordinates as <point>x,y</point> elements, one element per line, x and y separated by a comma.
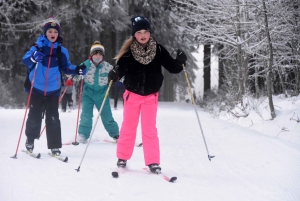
<point>47,73</point>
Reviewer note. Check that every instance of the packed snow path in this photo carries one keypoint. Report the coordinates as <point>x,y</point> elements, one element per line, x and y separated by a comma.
<point>247,165</point>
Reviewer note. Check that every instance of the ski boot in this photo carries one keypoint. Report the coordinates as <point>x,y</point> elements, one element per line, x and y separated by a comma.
<point>55,151</point>
<point>121,163</point>
<point>81,139</point>
<point>154,168</point>
<point>29,145</point>
<point>116,138</point>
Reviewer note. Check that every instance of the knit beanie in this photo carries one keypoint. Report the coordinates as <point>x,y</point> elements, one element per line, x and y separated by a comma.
<point>97,47</point>
<point>139,23</point>
<point>51,22</point>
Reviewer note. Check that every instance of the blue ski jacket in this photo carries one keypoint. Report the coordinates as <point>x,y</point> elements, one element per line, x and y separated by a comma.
<point>46,74</point>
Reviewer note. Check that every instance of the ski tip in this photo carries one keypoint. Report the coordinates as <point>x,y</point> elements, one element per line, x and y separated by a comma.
<point>38,156</point>
<point>173,179</point>
<point>66,159</point>
<point>115,174</point>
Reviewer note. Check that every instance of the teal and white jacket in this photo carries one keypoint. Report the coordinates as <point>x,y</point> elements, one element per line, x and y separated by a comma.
<point>96,76</point>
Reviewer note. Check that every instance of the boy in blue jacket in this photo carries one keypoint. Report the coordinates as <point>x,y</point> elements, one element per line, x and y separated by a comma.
<point>45,60</point>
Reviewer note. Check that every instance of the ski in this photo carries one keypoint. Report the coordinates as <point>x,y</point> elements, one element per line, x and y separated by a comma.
<point>61,158</point>
<point>169,179</point>
<point>115,174</point>
<point>115,142</point>
<point>32,154</point>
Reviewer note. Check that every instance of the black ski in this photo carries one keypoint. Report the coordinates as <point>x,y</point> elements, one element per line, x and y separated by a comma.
<point>61,158</point>
<point>165,177</point>
<point>32,154</point>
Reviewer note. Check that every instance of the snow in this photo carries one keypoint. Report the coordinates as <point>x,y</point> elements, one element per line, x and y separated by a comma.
<point>254,159</point>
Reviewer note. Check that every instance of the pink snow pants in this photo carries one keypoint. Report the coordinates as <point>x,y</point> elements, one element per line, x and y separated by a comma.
<point>134,106</point>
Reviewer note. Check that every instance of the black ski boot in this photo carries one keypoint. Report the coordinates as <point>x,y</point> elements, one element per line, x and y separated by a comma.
<point>121,163</point>
<point>116,138</point>
<point>55,151</point>
<point>29,145</point>
<point>154,168</point>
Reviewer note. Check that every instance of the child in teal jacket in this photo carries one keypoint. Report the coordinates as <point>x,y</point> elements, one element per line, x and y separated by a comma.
<point>95,87</point>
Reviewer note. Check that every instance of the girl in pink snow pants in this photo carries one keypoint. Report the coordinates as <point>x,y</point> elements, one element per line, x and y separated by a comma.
<point>140,62</point>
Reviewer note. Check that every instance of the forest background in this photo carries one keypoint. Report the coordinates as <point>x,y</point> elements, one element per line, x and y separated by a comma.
<point>256,42</point>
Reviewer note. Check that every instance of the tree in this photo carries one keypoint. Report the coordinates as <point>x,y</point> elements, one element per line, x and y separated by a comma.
<point>246,31</point>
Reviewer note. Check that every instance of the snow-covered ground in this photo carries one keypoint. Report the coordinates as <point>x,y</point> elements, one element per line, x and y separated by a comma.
<point>255,159</point>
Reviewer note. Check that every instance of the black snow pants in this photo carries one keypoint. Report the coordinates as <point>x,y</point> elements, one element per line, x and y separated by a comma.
<point>66,99</point>
<point>41,106</point>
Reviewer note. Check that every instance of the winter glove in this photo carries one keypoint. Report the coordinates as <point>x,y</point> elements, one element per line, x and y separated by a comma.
<point>69,83</point>
<point>113,74</point>
<point>181,56</point>
<point>81,69</point>
<point>37,56</point>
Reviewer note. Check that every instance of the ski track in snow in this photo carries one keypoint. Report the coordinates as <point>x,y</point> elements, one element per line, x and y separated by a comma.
<point>247,165</point>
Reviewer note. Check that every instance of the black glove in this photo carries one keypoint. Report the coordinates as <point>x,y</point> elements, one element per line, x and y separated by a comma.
<point>80,70</point>
<point>113,74</point>
<point>181,56</point>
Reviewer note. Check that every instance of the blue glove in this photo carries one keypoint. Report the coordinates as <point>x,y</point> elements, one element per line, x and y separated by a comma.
<point>37,56</point>
<point>81,70</point>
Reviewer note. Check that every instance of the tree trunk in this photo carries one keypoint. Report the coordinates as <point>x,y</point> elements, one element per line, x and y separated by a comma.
<point>221,65</point>
<point>239,52</point>
<point>206,69</point>
<point>168,88</point>
<point>269,72</point>
<point>280,75</point>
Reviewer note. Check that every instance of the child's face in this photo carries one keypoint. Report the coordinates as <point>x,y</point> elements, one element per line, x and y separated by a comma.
<point>52,34</point>
<point>142,36</point>
<point>97,57</point>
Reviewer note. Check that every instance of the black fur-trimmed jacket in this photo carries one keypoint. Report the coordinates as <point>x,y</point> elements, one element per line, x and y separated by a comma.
<point>146,79</point>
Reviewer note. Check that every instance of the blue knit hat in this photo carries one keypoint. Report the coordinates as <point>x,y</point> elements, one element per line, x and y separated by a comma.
<point>51,22</point>
<point>139,23</point>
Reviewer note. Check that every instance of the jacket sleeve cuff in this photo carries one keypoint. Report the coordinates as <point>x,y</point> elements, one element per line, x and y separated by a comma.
<point>34,61</point>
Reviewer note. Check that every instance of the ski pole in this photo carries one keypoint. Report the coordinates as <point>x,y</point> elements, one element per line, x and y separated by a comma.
<point>100,110</point>
<point>27,105</point>
<point>193,101</point>
<point>79,104</point>
<point>61,97</point>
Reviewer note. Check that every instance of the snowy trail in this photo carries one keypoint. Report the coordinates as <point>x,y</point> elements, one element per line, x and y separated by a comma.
<point>248,165</point>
